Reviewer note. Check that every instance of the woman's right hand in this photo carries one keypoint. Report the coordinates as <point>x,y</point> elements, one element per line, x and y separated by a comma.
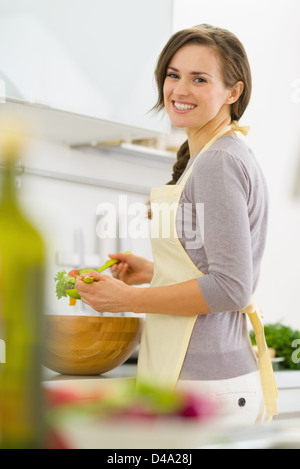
<point>132,270</point>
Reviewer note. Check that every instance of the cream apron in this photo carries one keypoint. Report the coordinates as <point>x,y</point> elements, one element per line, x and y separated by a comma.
<point>165,338</point>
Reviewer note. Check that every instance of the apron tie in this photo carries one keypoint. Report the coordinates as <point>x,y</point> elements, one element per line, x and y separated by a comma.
<point>244,129</point>
<point>268,383</point>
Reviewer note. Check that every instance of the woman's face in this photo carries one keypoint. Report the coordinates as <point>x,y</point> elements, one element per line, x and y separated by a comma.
<point>194,92</point>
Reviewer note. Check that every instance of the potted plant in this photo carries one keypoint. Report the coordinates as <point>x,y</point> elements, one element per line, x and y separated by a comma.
<point>286,343</point>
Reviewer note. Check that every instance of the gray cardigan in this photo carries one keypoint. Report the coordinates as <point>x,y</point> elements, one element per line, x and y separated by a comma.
<point>226,198</point>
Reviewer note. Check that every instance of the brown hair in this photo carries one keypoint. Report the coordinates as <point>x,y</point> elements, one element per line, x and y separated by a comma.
<point>235,68</point>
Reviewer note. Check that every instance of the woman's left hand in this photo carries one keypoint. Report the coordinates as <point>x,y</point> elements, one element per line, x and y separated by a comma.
<point>105,294</point>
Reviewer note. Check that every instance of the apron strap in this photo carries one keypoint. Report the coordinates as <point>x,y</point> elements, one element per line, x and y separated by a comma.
<point>244,129</point>
<point>234,125</point>
<point>265,368</point>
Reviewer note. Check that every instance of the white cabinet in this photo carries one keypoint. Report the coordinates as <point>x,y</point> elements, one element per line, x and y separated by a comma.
<point>90,57</point>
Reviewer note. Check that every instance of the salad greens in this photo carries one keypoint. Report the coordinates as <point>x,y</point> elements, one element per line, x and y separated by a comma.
<point>63,283</point>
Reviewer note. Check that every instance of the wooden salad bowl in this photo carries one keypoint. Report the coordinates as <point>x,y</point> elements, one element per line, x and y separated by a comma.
<point>89,345</point>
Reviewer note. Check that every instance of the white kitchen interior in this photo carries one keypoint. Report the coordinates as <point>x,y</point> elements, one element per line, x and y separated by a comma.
<point>77,93</point>
<point>85,86</point>
<point>60,66</point>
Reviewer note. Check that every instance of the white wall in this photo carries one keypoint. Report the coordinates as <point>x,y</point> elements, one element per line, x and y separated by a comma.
<point>270,32</point>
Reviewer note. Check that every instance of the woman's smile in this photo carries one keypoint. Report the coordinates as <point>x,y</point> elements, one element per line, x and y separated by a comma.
<point>183,107</point>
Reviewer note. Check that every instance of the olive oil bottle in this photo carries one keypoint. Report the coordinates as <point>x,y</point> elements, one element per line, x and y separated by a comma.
<point>21,310</point>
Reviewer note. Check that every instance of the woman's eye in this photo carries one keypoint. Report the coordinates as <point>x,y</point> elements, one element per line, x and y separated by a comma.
<point>199,80</point>
<point>172,75</point>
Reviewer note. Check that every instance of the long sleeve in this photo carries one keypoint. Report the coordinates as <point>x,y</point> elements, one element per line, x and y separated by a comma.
<point>226,187</point>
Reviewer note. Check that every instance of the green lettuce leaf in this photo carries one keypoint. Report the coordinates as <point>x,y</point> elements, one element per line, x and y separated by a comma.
<point>63,283</point>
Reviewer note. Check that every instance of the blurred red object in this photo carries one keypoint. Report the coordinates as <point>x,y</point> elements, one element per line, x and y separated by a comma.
<point>54,440</point>
<point>58,397</point>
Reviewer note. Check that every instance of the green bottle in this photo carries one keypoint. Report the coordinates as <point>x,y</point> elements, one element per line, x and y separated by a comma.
<point>21,312</point>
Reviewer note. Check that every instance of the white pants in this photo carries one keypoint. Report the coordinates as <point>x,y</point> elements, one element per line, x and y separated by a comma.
<point>239,400</point>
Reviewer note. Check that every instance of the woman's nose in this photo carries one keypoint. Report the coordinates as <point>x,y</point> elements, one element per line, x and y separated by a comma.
<point>181,88</point>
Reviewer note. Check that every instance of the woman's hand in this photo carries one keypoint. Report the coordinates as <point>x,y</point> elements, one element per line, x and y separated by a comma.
<point>105,294</point>
<point>132,270</point>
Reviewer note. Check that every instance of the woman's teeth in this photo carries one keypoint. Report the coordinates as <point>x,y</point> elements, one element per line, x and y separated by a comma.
<point>183,107</point>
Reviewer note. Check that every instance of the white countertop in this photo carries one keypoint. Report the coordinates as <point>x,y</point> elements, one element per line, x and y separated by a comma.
<point>123,371</point>
<point>287,379</point>
<point>282,433</point>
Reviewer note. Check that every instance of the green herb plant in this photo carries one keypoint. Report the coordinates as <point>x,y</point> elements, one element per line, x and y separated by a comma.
<point>281,338</point>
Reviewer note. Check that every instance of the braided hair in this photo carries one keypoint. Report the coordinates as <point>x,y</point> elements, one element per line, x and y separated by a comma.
<point>183,156</point>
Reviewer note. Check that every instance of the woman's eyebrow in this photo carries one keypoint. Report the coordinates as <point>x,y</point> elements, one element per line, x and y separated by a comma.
<point>191,73</point>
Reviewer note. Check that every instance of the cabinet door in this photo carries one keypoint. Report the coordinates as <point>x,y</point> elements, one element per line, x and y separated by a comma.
<point>91,57</point>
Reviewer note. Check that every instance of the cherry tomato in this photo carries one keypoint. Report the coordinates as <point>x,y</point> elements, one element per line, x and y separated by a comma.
<point>74,273</point>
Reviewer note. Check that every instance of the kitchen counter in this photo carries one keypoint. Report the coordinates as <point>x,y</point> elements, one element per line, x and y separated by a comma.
<point>86,385</point>
<point>123,371</point>
<point>287,379</point>
<point>283,432</point>
<point>288,383</point>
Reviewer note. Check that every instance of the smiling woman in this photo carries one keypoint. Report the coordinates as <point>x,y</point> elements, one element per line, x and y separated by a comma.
<point>195,332</point>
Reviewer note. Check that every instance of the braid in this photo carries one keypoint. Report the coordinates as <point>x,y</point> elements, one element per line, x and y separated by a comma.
<point>183,156</point>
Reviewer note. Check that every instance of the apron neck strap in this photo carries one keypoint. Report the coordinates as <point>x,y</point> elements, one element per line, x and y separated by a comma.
<point>234,125</point>
<point>244,129</point>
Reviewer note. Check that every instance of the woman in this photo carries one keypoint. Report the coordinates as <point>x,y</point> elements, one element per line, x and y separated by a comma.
<point>204,274</point>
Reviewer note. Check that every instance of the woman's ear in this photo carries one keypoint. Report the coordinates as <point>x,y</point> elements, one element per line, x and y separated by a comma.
<point>235,92</point>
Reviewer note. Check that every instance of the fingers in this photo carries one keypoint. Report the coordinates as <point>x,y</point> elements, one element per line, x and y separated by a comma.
<point>83,287</point>
<point>119,271</point>
<point>96,276</point>
<point>123,272</point>
<point>121,256</point>
<point>101,295</point>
